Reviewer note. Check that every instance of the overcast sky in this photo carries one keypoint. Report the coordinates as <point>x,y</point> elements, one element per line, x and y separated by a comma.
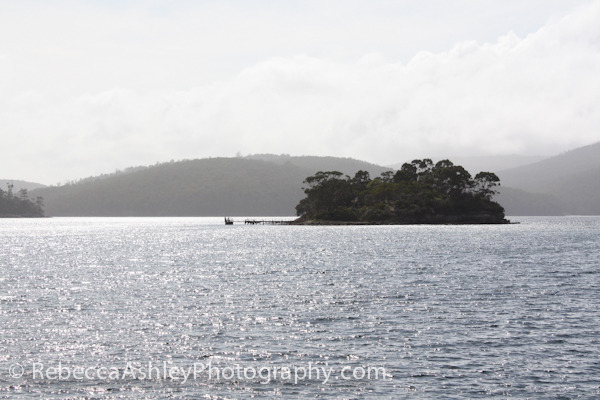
<point>87,87</point>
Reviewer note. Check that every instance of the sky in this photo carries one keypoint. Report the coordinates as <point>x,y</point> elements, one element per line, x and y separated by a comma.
<point>88,87</point>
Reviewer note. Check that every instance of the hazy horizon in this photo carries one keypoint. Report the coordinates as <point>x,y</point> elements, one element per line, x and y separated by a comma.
<point>91,87</point>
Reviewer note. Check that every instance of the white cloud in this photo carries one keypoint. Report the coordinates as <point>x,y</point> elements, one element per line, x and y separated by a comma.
<point>535,94</point>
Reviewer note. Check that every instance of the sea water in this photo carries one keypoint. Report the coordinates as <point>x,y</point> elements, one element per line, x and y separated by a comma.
<point>191,308</point>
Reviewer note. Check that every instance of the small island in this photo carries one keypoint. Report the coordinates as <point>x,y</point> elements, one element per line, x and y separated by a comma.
<point>421,192</point>
<point>19,206</point>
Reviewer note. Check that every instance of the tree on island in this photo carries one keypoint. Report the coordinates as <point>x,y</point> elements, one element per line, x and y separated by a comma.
<point>20,205</point>
<point>420,192</point>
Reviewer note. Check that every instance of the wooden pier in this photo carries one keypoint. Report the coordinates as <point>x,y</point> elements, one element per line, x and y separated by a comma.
<point>267,222</point>
<point>248,221</point>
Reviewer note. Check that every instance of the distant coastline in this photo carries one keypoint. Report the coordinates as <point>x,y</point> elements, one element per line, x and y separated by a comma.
<point>270,185</point>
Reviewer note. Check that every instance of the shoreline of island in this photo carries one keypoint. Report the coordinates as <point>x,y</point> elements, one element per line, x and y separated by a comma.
<point>367,223</point>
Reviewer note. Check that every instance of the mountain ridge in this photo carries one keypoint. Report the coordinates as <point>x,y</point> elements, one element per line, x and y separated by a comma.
<point>202,187</point>
<point>537,175</point>
<point>571,178</point>
<point>271,185</point>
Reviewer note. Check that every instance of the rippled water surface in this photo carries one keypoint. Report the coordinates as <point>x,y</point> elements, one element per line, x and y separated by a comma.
<point>89,305</point>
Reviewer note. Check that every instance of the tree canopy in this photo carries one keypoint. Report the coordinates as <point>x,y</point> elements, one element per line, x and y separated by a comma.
<point>419,192</point>
<point>19,205</point>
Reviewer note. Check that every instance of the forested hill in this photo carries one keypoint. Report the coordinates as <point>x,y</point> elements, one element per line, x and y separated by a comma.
<point>347,165</point>
<point>270,185</point>
<point>241,186</point>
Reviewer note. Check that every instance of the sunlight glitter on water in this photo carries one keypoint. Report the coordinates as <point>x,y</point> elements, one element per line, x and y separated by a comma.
<point>448,311</point>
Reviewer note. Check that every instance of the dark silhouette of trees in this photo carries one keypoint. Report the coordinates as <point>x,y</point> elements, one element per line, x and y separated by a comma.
<point>20,205</point>
<point>420,192</point>
<point>484,184</point>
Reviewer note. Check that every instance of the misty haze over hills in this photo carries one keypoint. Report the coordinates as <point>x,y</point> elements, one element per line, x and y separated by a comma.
<point>236,186</point>
<point>271,185</point>
<point>570,181</point>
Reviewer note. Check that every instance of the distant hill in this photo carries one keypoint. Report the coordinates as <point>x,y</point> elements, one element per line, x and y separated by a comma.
<point>348,166</point>
<point>569,182</point>
<point>20,184</point>
<point>271,185</point>
<point>241,186</point>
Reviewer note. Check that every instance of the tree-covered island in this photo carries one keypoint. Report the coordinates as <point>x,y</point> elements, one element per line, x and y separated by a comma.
<point>19,205</point>
<point>419,193</point>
